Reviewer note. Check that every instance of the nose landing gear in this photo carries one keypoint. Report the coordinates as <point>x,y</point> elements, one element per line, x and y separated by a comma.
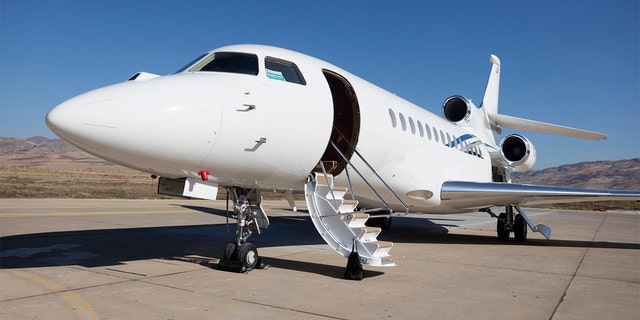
<point>240,255</point>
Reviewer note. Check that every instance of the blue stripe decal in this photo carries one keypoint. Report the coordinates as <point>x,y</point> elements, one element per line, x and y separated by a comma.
<point>468,144</point>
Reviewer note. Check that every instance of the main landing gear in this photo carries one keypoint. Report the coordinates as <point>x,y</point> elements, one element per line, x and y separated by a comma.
<point>509,222</point>
<point>240,255</point>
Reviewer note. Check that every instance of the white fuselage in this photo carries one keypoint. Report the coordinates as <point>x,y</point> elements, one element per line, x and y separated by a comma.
<point>260,131</point>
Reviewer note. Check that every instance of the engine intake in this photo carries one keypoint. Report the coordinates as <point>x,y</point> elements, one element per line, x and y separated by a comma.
<point>457,108</point>
<point>518,152</point>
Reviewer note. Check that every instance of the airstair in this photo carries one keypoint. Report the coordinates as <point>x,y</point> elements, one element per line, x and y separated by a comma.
<point>338,221</point>
<point>340,225</point>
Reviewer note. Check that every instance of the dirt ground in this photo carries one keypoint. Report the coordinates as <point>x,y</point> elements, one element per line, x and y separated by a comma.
<point>47,183</point>
<point>42,183</point>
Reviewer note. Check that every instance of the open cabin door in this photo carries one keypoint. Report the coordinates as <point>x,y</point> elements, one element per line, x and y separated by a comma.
<point>346,123</point>
<point>334,215</point>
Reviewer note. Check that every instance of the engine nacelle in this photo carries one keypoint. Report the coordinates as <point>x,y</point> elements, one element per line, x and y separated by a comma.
<point>518,152</point>
<point>457,109</point>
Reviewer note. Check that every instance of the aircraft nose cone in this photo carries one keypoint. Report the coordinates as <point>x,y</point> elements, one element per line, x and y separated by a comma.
<point>54,120</point>
<point>74,120</point>
<point>153,125</point>
<point>61,120</point>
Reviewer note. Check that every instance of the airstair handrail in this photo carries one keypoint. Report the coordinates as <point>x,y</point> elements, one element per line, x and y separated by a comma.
<point>406,208</point>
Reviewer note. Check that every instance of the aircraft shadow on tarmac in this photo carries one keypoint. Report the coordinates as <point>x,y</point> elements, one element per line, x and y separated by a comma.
<point>109,247</point>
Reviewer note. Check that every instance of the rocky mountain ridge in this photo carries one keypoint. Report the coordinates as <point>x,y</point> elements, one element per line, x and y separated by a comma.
<point>620,174</point>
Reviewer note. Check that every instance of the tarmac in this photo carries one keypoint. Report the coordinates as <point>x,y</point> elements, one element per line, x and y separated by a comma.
<point>157,259</point>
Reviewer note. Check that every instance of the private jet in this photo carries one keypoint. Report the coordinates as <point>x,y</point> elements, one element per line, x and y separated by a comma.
<point>255,118</point>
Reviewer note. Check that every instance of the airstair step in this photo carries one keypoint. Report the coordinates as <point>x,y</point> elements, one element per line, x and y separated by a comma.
<point>348,205</point>
<point>359,215</point>
<point>323,180</point>
<point>337,192</point>
<point>339,189</point>
<point>369,234</point>
<point>378,248</point>
<point>384,244</point>
<point>375,230</point>
<point>358,220</point>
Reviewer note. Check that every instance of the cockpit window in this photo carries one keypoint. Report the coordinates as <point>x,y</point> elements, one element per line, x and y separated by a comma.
<point>191,63</point>
<point>233,62</point>
<point>283,70</point>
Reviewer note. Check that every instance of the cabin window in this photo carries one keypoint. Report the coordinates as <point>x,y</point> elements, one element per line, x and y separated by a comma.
<point>283,70</point>
<point>442,137</point>
<point>232,62</point>
<point>420,129</point>
<point>392,115</point>
<point>412,125</point>
<point>403,122</point>
<point>428,129</point>
<point>435,134</point>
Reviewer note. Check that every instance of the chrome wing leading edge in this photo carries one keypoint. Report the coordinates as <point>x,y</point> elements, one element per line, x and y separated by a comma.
<point>474,195</point>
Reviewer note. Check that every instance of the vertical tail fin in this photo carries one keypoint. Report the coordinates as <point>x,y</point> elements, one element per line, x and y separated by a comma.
<point>494,121</point>
<point>490,99</point>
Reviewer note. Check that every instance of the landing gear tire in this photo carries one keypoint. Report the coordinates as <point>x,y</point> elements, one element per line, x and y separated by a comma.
<point>248,255</point>
<point>503,233</point>
<point>229,251</point>
<point>241,258</point>
<point>519,229</point>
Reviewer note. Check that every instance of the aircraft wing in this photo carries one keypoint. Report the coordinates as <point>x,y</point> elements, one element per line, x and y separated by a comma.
<point>473,195</point>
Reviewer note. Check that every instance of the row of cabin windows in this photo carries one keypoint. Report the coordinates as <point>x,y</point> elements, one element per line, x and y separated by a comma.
<point>432,133</point>
<point>247,63</point>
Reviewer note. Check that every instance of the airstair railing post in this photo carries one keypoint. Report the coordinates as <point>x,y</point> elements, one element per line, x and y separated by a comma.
<point>406,208</point>
<point>353,193</point>
<point>363,178</point>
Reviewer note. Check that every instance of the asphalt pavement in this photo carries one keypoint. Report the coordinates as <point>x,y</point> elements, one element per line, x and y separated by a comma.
<point>157,259</point>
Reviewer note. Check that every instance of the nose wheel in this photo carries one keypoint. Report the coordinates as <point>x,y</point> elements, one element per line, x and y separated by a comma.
<point>241,258</point>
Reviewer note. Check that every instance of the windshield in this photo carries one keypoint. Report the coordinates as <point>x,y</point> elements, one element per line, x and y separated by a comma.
<point>233,62</point>
<point>191,63</point>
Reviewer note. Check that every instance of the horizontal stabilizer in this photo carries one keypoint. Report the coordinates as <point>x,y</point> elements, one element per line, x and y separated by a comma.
<point>500,120</point>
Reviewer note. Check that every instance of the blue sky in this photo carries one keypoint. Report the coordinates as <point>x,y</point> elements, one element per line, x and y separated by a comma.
<point>574,63</point>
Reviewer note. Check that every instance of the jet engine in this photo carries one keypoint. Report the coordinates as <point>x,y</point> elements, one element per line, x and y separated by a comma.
<point>457,109</point>
<point>518,152</point>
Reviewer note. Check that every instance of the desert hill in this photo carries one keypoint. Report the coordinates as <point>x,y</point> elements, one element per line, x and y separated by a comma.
<point>621,175</point>
<point>52,154</point>
<point>55,154</point>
